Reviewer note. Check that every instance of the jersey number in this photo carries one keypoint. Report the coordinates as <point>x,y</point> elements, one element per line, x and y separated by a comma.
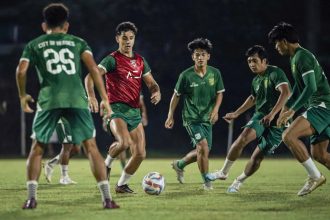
<point>61,61</point>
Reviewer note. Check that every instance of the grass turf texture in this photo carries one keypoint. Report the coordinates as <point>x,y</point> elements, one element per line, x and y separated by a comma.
<point>269,194</point>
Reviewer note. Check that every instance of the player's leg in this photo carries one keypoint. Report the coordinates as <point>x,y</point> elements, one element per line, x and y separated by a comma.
<point>179,165</point>
<point>301,127</point>
<point>122,158</point>
<point>64,163</point>
<point>320,154</point>
<point>202,149</point>
<point>138,155</point>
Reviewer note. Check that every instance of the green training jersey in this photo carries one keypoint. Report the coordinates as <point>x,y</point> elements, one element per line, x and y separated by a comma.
<point>199,93</point>
<point>308,74</point>
<point>265,88</point>
<point>56,58</point>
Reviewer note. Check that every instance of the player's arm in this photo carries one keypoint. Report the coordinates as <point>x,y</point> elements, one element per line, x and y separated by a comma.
<point>249,103</point>
<point>284,95</point>
<point>96,78</point>
<point>153,88</point>
<point>21,72</point>
<point>169,123</point>
<point>214,115</point>
<point>144,114</point>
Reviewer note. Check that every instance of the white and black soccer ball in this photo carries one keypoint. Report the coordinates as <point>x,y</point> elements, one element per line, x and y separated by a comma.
<point>153,183</point>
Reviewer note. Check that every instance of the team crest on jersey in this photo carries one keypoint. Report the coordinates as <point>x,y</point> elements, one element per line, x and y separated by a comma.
<point>133,63</point>
<point>211,81</point>
<point>198,136</point>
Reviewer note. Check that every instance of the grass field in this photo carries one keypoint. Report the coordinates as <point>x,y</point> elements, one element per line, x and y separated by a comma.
<point>270,194</point>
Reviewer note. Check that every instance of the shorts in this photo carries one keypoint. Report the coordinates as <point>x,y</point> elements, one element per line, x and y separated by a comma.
<point>269,138</point>
<point>198,132</point>
<point>132,116</point>
<point>319,118</point>
<point>79,123</point>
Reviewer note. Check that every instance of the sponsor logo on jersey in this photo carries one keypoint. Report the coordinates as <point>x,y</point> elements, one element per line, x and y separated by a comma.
<point>193,84</point>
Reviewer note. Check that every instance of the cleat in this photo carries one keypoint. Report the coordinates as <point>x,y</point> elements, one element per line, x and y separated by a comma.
<point>220,175</point>
<point>234,187</point>
<point>179,172</point>
<point>123,189</point>
<point>30,204</point>
<point>108,170</point>
<point>210,177</point>
<point>66,180</point>
<point>110,204</point>
<point>207,186</point>
<point>311,184</point>
<point>48,172</point>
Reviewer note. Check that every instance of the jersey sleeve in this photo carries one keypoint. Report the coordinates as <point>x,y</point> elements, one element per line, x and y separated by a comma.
<point>108,64</point>
<point>219,86</point>
<point>27,54</point>
<point>253,92</point>
<point>85,47</point>
<point>179,87</point>
<point>146,69</point>
<point>279,78</point>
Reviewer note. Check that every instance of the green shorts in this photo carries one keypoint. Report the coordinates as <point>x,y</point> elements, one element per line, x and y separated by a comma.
<point>198,132</point>
<point>79,122</point>
<point>132,116</point>
<point>63,131</point>
<point>319,117</point>
<point>269,138</point>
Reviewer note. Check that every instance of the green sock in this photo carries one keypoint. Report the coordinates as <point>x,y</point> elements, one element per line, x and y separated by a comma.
<point>181,164</point>
<point>204,176</point>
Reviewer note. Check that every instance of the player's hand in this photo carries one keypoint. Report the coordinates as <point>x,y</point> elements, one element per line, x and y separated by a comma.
<point>155,97</point>
<point>267,120</point>
<point>93,104</point>
<point>214,117</point>
<point>285,117</point>
<point>105,110</point>
<point>169,123</point>
<point>230,116</point>
<point>25,103</point>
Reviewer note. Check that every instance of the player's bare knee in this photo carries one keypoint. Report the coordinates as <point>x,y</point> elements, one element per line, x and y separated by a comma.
<point>287,138</point>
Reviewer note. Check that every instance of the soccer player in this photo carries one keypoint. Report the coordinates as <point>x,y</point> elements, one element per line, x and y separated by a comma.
<point>124,71</point>
<point>311,90</point>
<point>56,56</point>
<point>201,86</point>
<point>269,91</point>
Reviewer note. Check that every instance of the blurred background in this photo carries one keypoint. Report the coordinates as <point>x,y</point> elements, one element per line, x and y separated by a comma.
<point>165,28</point>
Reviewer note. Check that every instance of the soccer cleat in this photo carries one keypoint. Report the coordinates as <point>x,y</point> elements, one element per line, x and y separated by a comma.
<point>66,180</point>
<point>123,189</point>
<point>108,169</point>
<point>179,172</point>
<point>311,184</point>
<point>30,204</point>
<point>207,186</point>
<point>110,204</point>
<point>220,175</point>
<point>210,177</point>
<point>234,187</point>
<point>48,172</point>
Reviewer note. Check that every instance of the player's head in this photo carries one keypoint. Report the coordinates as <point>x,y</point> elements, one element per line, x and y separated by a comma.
<point>55,16</point>
<point>282,35</point>
<point>257,59</point>
<point>200,50</point>
<point>125,36</point>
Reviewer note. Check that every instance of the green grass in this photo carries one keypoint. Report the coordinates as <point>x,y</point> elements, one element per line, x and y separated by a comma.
<point>270,194</point>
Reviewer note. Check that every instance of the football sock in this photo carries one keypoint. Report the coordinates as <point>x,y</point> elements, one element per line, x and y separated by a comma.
<point>124,178</point>
<point>32,186</point>
<point>226,166</point>
<point>242,177</point>
<point>64,170</point>
<point>108,161</point>
<point>104,189</point>
<point>311,169</point>
<point>181,164</point>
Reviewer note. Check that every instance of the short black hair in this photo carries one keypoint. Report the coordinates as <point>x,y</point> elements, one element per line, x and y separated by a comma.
<point>126,26</point>
<point>283,31</point>
<point>55,14</point>
<point>259,50</point>
<point>200,43</point>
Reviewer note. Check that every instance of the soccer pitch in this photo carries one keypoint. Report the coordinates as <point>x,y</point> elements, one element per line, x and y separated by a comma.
<point>270,194</point>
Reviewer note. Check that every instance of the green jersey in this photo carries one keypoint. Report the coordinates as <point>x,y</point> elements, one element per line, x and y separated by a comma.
<point>311,86</point>
<point>56,58</point>
<point>199,93</point>
<point>265,88</point>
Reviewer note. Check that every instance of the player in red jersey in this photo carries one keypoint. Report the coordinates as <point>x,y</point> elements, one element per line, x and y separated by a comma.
<point>124,71</point>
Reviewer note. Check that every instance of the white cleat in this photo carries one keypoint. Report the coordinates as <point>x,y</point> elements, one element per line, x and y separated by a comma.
<point>179,172</point>
<point>311,184</point>
<point>48,172</point>
<point>220,175</point>
<point>207,186</point>
<point>66,180</point>
<point>234,187</point>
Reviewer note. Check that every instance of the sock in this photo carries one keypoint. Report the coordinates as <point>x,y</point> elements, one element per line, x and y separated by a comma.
<point>32,186</point>
<point>205,177</point>
<point>242,177</point>
<point>104,189</point>
<point>124,178</point>
<point>311,169</point>
<point>54,161</point>
<point>181,164</point>
<point>226,166</point>
<point>108,161</point>
<point>64,170</point>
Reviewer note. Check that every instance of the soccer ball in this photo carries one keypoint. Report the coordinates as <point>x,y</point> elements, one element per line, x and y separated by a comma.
<point>153,183</point>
